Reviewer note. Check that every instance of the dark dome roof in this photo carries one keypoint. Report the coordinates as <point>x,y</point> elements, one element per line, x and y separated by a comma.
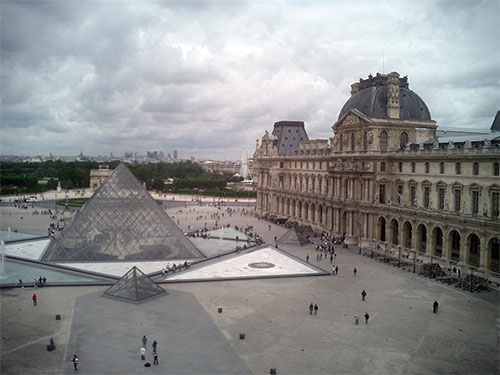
<point>372,101</point>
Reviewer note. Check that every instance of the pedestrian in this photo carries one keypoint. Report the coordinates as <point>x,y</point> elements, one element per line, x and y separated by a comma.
<point>144,341</point>
<point>275,239</point>
<point>307,258</point>
<point>354,271</point>
<point>331,258</point>
<point>52,343</point>
<point>316,309</point>
<point>366,318</point>
<point>363,294</point>
<point>269,227</point>
<point>311,309</point>
<point>35,283</point>
<point>333,270</point>
<point>155,357</point>
<point>76,361</point>
<point>356,319</point>
<point>143,353</point>
<point>44,280</point>
<point>34,299</point>
<point>435,306</point>
<point>336,270</point>
<point>155,344</point>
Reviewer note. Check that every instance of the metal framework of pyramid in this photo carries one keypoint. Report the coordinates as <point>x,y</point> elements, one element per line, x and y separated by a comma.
<point>135,287</point>
<point>293,237</point>
<point>121,222</point>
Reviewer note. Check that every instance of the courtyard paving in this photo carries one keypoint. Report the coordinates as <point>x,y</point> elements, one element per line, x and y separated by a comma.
<point>402,336</point>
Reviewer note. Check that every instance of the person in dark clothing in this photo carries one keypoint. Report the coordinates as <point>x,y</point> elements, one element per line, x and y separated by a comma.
<point>316,309</point>
<point>366,318</point>
<point>363,294</point>
<point>435,306</point>
<point>311,309</point>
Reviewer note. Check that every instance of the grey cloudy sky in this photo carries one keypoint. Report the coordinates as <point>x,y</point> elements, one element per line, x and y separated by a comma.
<point>207,78</point>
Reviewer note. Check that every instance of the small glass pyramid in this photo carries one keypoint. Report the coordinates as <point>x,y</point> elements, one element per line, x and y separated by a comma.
<point>293,236</point>
<point>121,222</point>
<point>134,286</point>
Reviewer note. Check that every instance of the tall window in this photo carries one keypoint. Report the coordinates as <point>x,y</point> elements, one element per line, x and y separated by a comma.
<point>441,167</point>
<point>475,202</point>
<point>458,197</point>
<point>413,195</point>
<point>382,193</point>
<point>412,167</point>
<point>427,191</point>
<point>458,167</point>
<point>495,204</point>
<point>353,142</point>
<point>383,141</point>
<point>365,141</point>
<point>475,168</point>
<point>400,193</point>
<point>496,169</point>
<point>400,167</point>
<point>427,167</point>
<point>441,198</point>
<point>341,142</point>
<point>382,166</point>
<point>403,139</point>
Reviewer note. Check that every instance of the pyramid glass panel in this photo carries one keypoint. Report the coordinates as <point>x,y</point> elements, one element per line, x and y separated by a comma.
<point>121,222</point>
<point>293,237</point>
<point>135,287</point>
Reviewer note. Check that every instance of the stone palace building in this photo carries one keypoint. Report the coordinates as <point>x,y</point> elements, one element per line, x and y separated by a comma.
<point>388,179</point>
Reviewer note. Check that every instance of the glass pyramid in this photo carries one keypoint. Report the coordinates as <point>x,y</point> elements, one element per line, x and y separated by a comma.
<point>121,222</point>
<point>134,286</point>
<point>293,237</point>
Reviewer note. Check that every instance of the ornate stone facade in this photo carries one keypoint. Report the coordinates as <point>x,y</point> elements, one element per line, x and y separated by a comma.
<point>387,182</point>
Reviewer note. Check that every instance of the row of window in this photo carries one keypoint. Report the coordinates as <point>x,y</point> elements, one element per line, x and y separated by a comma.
<point>442,203</point>
<point>403,141</point>
<point>458,168</point>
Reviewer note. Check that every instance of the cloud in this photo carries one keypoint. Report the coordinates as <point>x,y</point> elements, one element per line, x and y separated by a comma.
<point>208,77</point>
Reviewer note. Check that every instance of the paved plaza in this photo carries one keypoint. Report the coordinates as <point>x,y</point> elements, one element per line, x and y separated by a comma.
<point>402,336</point>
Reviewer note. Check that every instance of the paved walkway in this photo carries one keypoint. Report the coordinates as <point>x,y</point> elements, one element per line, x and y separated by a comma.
<point>403,336</point>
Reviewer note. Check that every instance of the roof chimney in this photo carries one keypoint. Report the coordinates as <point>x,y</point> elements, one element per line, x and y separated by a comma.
<point>393,95</point>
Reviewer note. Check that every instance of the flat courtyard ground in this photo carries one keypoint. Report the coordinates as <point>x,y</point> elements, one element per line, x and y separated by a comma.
<point>402,336</point>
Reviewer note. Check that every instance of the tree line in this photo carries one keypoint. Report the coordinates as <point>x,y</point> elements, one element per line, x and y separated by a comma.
<point>25,178</point>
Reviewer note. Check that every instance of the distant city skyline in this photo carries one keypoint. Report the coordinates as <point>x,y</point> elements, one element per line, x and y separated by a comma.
<point>209,77</point>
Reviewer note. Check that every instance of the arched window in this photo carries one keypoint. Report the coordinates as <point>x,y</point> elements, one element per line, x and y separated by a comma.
<point>426,167</point>
<point>383,141</point>
<point>403,139</point>
<point>475,168</point>
<point>353,142</point>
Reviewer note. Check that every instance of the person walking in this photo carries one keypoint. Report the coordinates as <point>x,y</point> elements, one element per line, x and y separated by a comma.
<point>336,270</point>
<point>354,271</point>
<point>52,343</point>
<point>316,309</point>
<point>333,270</point>
<point>307,258</point>
<point>356,319</point>
<point>144,341</point>
<point>366,318</point>
<point>155,344</point>
<point>363,294</point>
<point>76,362</point>
<point>34,299</point>
<point>435,306</point>
<point>311,309</point>
<point>155,358</point>
<point>143,353</point>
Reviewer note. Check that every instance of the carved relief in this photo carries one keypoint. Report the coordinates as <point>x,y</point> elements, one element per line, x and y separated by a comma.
<point>350,119</point>
<point>369,137</point>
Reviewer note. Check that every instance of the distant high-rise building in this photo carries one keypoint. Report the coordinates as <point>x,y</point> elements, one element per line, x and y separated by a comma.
<point>175,154</point>
<point>169,156</point>
<point>162,154</point>
<point>128,154</point>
